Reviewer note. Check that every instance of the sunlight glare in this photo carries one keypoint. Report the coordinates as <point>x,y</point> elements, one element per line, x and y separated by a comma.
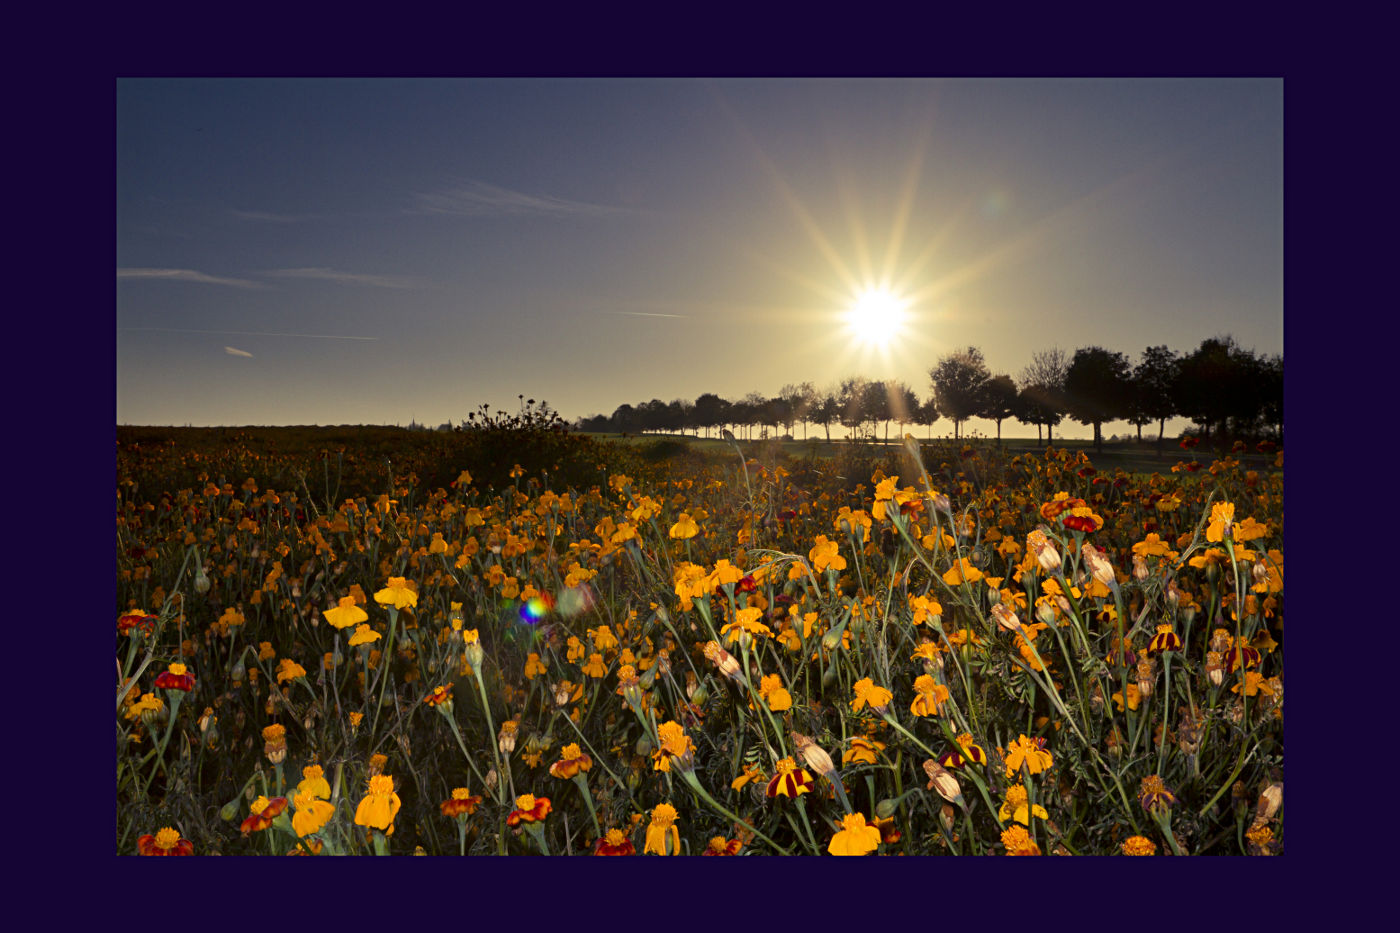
<point>876,317</point>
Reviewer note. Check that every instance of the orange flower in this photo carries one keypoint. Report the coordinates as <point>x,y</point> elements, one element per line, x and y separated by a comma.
<point>264,811</point>
<point>573,762</point>
<point>461,803</point>
<point>165,842</point>
<point>176,678</point>
<point>529,809</point>
<point>614,843</point>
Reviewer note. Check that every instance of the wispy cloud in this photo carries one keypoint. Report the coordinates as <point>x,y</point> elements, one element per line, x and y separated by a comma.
<point>234,351</point>
<point>346,278</point>
<point>478,199</point>
<point>186,275</point>
<point>247,333</point>
<point>645,314</point>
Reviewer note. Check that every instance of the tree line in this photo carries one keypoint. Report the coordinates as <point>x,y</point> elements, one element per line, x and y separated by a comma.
<point>1221,387</point>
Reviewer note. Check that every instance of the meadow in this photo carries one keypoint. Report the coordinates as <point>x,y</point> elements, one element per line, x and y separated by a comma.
<point>515,640</point>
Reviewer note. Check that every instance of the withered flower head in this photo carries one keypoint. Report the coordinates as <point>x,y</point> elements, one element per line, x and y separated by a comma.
<point>812,753</point>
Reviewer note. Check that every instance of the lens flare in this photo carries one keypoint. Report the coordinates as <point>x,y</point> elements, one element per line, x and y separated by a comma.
<point>536,608</point>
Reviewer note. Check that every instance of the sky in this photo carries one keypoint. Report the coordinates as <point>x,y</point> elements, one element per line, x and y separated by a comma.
<point>380,251</point>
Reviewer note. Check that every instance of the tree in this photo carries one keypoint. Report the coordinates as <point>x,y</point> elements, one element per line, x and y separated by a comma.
<point>710,411</point>
<point>957,385</point>
<point>1043,391</point>
<point>904,404</point>
<point>1097,387</point>
<point>1271,394</point>
<point>851,399</point>
<point>827,410</point>
<point>875,406</point>
<point>1212,383</point>
<point>625,419</point>
<point>927,414</point>
<point>1153,378</point>
<point>1000,400</point>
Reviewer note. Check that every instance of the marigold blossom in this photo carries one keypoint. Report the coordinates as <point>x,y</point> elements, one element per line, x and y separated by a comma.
<point>380,804</point>
<point>166,841</point>
<point>855,837</point>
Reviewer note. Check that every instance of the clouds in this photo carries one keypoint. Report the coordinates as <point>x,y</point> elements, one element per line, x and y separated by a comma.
<point>186,275</point>
<point>234,351</point>
<point>346,278</point>
<point>478,199</point>
<point>317,273</point>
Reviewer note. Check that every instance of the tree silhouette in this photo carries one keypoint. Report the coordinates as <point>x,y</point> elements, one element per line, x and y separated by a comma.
<point>1043,391</point>
<point>1212,383</point>
<point>710,411</point>
<point>1097,387</point>
<point>927,414</point>
<point>1152,389</point>
<point>957,385</point>
<point>1000,400</point>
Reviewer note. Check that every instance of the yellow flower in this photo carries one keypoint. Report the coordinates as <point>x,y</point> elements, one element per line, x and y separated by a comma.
<point>595,667</point>
<point>746,620</point>
<point>774,693</point>
<point>724,572</point>
<point>930,696</point>
<point>862,750</point>
<point>1031,753</point>
<point>1222,518</point>
<point>1139,845</point>
<point>311,814</point>
<point>287,669</point>
<point>663,836</point>
<point>867,692</point>
<point>399,594</point>
<point>854,837</point>
<point>363,636</point>
<point>380,804</point>
<point>1019,842</point>
<point>960,571</point>
<point>314,782</point>
<point>1017,806</point>
<point>534,667</point>
<point>684,527</point>
<point>346,614</point>
<point>826,554</point>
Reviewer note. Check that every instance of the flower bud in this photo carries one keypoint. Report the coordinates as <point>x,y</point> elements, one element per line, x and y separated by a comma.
<point>1140,572</point>
<point>1145,676</point>
<point>816,759</point>
<point>1006,618</point>
<point>1099,565</point>
<point>1269,802</point>
<point>490,780</point>
<point>1215,667</point>
<point>1045,554</point>
<point>886,808</point>
<point>942,780</point>
<point>1044,613</point>
<point>1173,593</point>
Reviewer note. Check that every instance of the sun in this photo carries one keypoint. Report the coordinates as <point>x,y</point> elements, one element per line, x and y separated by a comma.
<point>876,317</point>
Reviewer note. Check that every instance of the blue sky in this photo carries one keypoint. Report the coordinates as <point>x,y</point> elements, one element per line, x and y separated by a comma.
<point>375,251</point>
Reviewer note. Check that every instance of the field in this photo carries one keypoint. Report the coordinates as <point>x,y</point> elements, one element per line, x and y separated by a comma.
<point>513,640</point>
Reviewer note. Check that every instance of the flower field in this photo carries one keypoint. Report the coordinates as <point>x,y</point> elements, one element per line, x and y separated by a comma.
<point>924,649</point>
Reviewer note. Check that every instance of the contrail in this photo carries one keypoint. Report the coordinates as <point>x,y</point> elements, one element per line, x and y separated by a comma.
<point>645,314</point>
<point>248,333</point>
